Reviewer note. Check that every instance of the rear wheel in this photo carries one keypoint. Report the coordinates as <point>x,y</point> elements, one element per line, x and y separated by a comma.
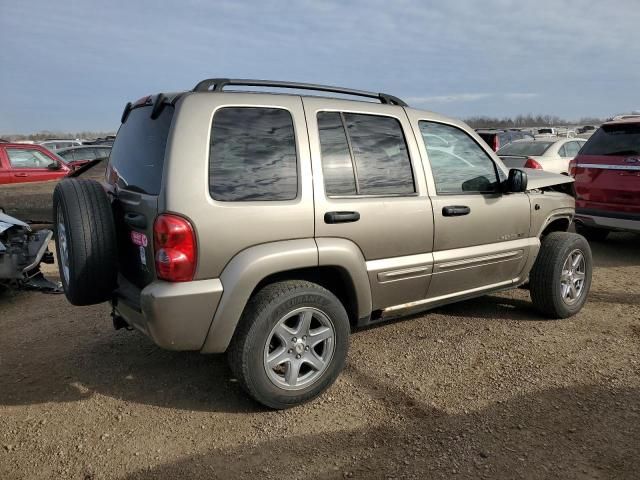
<point>85,241</point>
<point>291,343</point>
<point>560,279</point>
<point>591,233</point>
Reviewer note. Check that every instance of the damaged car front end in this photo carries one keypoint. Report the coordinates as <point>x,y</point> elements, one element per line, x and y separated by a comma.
<point>22,250</point>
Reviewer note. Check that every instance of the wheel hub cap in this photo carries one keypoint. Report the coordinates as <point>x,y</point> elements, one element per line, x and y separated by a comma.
<point>299,348</point>
<point>573,277</point>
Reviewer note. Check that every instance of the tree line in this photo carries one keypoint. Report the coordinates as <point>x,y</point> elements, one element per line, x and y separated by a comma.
<point>521,121</point>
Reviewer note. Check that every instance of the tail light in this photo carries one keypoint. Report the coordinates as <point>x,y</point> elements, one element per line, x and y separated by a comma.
<point>496,143</point>
<point>531,163</point>
<point>573,167</point>
<point>175,246</point>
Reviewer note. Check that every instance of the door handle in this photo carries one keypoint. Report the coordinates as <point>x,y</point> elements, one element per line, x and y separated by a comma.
<point>135,220</point>
<point>20,174</point>
<point>341,217</point>
<point>455,211</point>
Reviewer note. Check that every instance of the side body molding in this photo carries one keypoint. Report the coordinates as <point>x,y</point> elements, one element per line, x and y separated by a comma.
<point>241,276</point>
<point>345,254</point>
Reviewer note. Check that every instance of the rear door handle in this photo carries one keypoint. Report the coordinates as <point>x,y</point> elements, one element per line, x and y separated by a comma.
<point>455,211</point>
<point>20,174</point>
<point>341,217</point>
<point>135,220</point>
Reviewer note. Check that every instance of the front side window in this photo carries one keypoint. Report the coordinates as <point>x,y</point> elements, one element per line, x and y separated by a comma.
<point>25,158</point>
<point>364,154</point>
<point>252,155</point>
<point>459,164</point>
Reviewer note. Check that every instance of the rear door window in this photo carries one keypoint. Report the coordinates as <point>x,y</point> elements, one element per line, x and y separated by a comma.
<point>137,157</point>
<point>364,154</point>
<point>252,155</point>
<point>26,158</point>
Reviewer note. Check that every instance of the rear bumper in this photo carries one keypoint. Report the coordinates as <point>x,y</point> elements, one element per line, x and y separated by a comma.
<point>176,316</point>
<point>608,220</point>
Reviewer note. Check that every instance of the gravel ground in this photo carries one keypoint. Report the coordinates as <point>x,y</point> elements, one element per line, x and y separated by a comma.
<point>484,388</point>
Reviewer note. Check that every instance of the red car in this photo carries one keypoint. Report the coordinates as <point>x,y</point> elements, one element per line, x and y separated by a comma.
<point>23,163</point>
<point>607,173</point>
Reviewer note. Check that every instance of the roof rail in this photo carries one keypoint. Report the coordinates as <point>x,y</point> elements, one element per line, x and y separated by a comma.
<point>217,84</point>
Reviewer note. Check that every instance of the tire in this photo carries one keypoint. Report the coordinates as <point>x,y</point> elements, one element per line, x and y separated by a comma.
<point>592,234</point>
<point>85,235</point>
<point>548,282</point>
<point>257,336</point>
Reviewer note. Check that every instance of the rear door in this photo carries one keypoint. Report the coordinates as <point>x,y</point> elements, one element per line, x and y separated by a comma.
<point>134,181</point>
<point>366,167</point>
<point>481,236</point>
<point>608,171</point>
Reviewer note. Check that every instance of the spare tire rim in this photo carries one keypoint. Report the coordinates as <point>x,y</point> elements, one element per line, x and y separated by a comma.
<point>63,246</point>
<point>299,348</point>
<point>573,277</point>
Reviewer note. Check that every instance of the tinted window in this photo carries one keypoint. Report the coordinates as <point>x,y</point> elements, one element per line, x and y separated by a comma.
<point>460,165</point>
<point>620,139</point>
<point>562,151</point>
<point>525,148</point>
<point>25,158</point>
<point>337,167</point>
<point>252,155</point>
<point>68,155</point>
<point>137,158</point>
<point>382,163</point>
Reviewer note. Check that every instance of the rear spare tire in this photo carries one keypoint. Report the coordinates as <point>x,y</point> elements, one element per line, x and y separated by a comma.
<point>85,237</point>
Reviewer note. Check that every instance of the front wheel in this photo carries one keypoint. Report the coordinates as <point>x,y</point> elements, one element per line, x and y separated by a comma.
<point>291,343</point>
<point>560,279</point>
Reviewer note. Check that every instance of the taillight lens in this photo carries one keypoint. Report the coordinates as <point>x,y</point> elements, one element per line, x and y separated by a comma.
<point>532,163</point>
<point>175,247</point>
<point>572,168</point>
<point>496,143</point>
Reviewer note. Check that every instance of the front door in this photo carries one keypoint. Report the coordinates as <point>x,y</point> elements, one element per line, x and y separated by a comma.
<point>370,191</point>
<point>481,238</point>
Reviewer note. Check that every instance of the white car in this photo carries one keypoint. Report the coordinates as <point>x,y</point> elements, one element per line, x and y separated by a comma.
<point>551,154</point>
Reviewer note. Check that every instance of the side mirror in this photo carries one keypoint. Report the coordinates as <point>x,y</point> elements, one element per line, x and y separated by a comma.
<point>516,182</point>
<point>54,166</point>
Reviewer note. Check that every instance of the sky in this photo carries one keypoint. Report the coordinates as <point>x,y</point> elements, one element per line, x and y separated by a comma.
<point>72,65</point>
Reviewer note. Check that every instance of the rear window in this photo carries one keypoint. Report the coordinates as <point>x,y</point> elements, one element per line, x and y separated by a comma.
<point>525,149</point>
<point>614,140</point>
<point>137,157</point>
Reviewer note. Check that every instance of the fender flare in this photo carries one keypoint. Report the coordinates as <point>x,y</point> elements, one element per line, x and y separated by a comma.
<point>248,268</point>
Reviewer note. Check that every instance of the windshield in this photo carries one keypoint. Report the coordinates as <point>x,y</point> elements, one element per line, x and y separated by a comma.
<point>615,140</point>
<point>525,149</point>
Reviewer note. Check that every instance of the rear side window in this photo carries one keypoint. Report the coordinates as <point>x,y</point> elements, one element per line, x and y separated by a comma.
<point>137,157</point>
<point>364,155</point>
<point>252,155</point>
<point>614,140</point>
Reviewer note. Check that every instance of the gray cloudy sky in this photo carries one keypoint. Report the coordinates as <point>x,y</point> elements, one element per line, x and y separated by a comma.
<point>72,65</point>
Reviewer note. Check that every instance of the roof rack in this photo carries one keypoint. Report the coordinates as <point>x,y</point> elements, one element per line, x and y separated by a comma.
<point>217,84</point>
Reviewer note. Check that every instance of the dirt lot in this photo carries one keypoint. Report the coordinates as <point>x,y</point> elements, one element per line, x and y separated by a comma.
<point>484,388</point>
